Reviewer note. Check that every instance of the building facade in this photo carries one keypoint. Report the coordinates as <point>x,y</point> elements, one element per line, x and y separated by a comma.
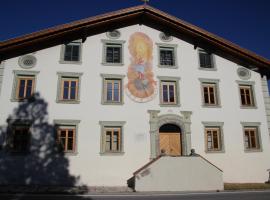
<point>120,97</point>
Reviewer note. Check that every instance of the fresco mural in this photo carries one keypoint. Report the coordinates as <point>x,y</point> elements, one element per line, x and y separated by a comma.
<point>141,86</point>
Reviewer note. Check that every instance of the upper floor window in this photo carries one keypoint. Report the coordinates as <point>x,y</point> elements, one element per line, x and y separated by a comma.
<point>112,52</point>
<point>69,90</point>
<point>68,87</point>
<point>112,89</point>
<point>71,52</point>
<point>206,60</point>
<point>24,85</point>
<point>167,55</point>
<point>20,141</point>
<point>169,94</point>
<point>210,92</point>
<point>246,95</point>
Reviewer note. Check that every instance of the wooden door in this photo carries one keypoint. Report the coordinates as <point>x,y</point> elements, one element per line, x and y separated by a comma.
<point>170,143</point>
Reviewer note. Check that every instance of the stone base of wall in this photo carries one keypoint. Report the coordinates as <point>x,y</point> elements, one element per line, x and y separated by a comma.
<point>38,189</point>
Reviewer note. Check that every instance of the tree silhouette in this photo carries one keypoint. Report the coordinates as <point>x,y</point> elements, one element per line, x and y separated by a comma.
<point>43,164</point>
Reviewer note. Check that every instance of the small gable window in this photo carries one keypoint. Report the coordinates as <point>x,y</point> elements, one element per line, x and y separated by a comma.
<point>206,59</point>
<point>71,52</point>
<point>167,55</point>
<point>112,52</point>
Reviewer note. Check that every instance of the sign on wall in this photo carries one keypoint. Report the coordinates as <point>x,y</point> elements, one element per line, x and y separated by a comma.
<point>141,86</point>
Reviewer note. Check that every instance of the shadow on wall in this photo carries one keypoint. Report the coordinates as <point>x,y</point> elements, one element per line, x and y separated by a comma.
<point>35,160</point>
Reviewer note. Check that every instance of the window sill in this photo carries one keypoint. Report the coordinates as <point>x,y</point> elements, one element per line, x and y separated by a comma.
<point>215,151</point>
<point>112,153</point>
<point>253,150</point>
<point>248,107</point>
<point>169,105</point>
<point>19,100</point>
<point>211,106</point>
<point>67,102</point>
<point>113,64</point>
<point>168,66</point>
<point>112,103</point>
<point>208,69</point>
<point>75,153</point>
<point>70,62</point>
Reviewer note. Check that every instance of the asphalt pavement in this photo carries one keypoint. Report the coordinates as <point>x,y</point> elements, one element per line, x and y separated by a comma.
<point>243,195</point>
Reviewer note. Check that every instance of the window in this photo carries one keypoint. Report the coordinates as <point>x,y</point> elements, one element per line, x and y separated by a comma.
<point>66,138</point>
<point>210,92</point>
<point>68,87</point>
<point>112,52</point>
<point>20,138</point>
<point>169,94</point>
<point>112,89</point>
<point>214,140</point>
<point>113,142</point>
<point>71,52</point>
<point>206,60</point>
<point>111,137</point>
<point>246,95</point>
<point>252,138</point>
<point>167,55</point>
<point>23,85</point>
<point>66,132</point>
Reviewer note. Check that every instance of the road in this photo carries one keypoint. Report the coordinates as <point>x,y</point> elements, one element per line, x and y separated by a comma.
<point>247,195</point>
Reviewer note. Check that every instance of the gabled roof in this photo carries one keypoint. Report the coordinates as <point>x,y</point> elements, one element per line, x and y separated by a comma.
<point>143,14</point>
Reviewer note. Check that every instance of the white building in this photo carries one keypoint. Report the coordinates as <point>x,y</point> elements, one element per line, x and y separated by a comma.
<point>117,90</point>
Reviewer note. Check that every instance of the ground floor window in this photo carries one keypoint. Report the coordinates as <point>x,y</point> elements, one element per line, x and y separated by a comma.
<point>112,137</point>
<point>20,141</point>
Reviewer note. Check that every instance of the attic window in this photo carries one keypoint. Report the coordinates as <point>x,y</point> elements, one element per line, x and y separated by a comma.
<point>206,59</point>
<point>243,73</point>
<point>71,52</point>
<point>114,34</point>
<point>165,37</point>
<point>27,61</point>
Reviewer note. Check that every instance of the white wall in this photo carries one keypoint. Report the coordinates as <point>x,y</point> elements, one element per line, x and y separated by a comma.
<point>95,169</point>
<point>182,174</point>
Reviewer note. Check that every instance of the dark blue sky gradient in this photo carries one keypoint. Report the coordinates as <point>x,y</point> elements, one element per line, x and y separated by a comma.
<point>244,22</point>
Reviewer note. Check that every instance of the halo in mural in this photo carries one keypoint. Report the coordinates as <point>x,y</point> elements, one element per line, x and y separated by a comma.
<point>141,86</point>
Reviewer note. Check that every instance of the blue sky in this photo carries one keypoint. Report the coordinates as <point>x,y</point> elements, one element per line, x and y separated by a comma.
<point>244,22</point>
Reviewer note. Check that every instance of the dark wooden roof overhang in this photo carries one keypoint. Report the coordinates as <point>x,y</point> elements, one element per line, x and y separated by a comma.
<point>135,15</point>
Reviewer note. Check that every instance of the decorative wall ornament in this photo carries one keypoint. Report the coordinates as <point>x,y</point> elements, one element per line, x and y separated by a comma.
<point>141,86</point>
<point>114,34</point>
<point>27,61</point>
<point>243,73</point>
<point>165,37</point>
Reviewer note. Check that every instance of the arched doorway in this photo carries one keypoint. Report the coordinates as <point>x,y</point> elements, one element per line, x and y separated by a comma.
<point>170,140</point>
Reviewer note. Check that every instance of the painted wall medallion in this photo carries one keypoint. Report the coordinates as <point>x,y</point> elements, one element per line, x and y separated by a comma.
<point>141,86</point>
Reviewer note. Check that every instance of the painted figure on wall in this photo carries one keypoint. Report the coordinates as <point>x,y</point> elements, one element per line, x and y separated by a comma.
<point>141,85</point>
